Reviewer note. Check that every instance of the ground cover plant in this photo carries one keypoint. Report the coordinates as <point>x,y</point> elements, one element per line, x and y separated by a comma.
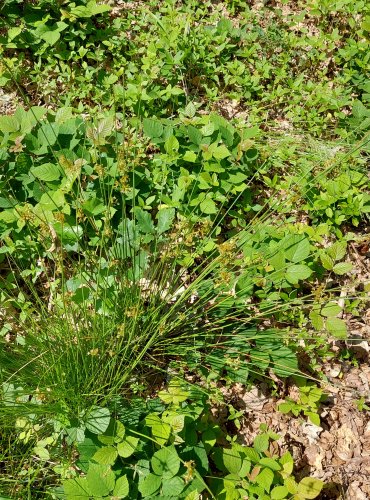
<point>184,199</point>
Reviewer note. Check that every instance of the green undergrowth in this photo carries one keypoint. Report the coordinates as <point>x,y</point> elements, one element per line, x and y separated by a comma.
<point>157,248</point>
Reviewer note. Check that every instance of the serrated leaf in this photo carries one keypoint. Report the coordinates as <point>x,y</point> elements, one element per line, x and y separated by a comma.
<point>326,261</point>
<point>149,485</point>
<point>77,488</point>
<point>208,206</point>
<point>173,487</point>
<point>165,462</point>
<point>296,248</point>
<point>221,152</point>
<point>261,443</point>
<point>127,447</point>
<point>338,250</point>
<point>279,492</point>
<point>342,268</point>
<point>97,420</point>
<point>106,455</point>
<point>331,309</point>
<point>48,172</point>
<point>144,221</point>
<point>265,478</point>
<point>165,218</point>
<point>232,460</point>
<point>121,488</point>
<point>101,479</point>
<point>298,272</point>
<point>190,156</point>
<point>171,145</point>
<point>309,487</point>
<point>190,110</point>
<point>336,327</point>
<point>152,128</point>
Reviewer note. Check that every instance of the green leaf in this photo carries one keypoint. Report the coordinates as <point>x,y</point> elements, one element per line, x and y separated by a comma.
<point>284,361</point>
<point>310,487</point>
<point>279,492</point>
<point>144,221</point>
<point>101,479</point>
<point>338,250</point>
<point>114,433</point>
<point>208,206</point>
<point>314,417</point>
<point>165,462</point>
<point>121,488</point>
<point>296,273</point>
<point>173,487</point>
<point>209,438</point>
<point>331,309</point>
<point>270,463</point>
<point>98,420</point>
<point>190,110</point>
<point>106,455</point>
<point>296,248</point>
<point>152,128</point>
<point>232,460</point>
<point>221,152</point>
<point>261,443</point>
<point>326,261</point>
<point>77,488</point>
<point>190,156</point>
<point>8,124</point>
<point>149,485</point>
<point>47,172</point>
<point>265,478</point>
<point>342,268</point>
<point>161,431</point>
<point>171,145</point>
<point>165,218</point>
<point>286,407</point>
<point>337,327</point>
<point>127,447</point>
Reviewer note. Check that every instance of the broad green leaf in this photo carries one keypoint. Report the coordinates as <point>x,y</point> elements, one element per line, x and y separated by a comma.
<point>8,124</point>
<point>106,455</point>
<point>208,129</point>
<point>144,221</point>
<point>296,248</point>
<point>298,272</point>
<point>190,156</point>
<point>165,218</point>
<point>190,110</point>
<point>208,206</point>
<point>77,488</point>
<point>149,485</point>
<point>285,407</point>
<point>261,443</point>
<point>114,433</point>
<point>121,488</point>
<point>209,438</point>
<point>127,447</point>
<point>270,463</point>
<point>265,478</point>
<point>42,452</point>
<point>279,492</point>
<point>327,261</point>
<point>284,361</point>
<point>221,152</point>
<point>173,487</point>
<point>47,172</point>
<point>336,327</point>
<point>171,145</point>
<point>309,487</point>
<point>161,431</point>
<point>152,127</point>
<point>97,420</point>
<point>338,250</point>
<point>165,462</point>
<point>331,309</point>
<point>314,417</point>
<point>101,479</point>
<point>342,268</point>
<point>232,460</point>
